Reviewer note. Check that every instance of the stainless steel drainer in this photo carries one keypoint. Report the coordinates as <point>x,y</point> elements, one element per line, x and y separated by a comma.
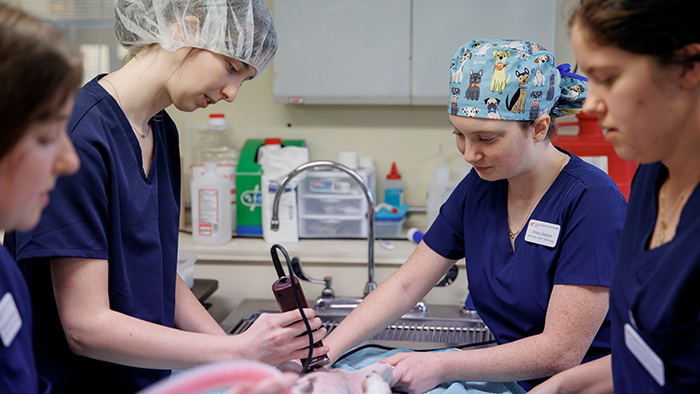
<point>440,332</point>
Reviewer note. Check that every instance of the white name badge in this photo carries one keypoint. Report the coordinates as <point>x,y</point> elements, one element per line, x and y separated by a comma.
<point>10,320</point>
<point>645,354</point>
<point>542,233</point>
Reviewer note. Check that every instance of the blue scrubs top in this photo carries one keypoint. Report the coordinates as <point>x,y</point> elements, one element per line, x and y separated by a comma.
<point>108,210</point>
<point>657,292</point>
<point>17,366</point>
<point>511,290</point>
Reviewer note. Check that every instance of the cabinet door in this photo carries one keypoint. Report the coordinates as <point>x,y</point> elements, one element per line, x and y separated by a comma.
<point>342,51</point>
<point>440,27</point>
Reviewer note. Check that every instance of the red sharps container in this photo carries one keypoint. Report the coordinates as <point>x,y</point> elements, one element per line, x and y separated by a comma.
<point>590,145</point>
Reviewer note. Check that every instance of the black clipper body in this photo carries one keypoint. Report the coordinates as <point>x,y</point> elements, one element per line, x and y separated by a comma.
<point>284,294</point>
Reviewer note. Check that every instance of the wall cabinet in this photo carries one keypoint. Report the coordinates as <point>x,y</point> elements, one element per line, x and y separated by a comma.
<point>393,52</point>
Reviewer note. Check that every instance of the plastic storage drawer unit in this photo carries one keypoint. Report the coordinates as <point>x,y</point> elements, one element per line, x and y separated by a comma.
<point>332,205</point>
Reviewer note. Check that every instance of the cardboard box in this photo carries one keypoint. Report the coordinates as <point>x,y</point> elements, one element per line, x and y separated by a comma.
<point>249,198</point>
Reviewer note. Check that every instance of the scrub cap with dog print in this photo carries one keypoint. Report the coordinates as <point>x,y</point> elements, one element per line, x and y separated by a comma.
<point>512,80</point>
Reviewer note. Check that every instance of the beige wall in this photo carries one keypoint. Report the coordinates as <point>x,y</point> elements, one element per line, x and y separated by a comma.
<point>409,135</point>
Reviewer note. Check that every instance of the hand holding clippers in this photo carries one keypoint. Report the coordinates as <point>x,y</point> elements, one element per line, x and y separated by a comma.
<point>290,296</point>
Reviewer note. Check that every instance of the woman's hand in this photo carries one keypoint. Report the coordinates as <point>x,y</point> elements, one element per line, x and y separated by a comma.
<point>278,337</point>
<point>549,386</point>
<point>592,377</point>
<point>415,372</point>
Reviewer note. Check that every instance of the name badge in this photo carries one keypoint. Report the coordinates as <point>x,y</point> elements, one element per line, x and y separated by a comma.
<point>645,354</point>
<point>10,320</point>
<point>542,233</point>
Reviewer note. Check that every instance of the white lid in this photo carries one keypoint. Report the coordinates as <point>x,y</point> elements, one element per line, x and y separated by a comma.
<point>217,122</point>
<point>366,162</point>
<point>415,235</point>
<point>347,158</point>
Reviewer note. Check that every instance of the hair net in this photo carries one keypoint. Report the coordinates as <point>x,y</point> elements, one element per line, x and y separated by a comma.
<point>241,29</point>
<point>512,80</point>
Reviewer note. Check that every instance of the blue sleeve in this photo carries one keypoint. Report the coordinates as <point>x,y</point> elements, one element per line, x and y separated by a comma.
<point>75,222</point>
<point>590,237</point>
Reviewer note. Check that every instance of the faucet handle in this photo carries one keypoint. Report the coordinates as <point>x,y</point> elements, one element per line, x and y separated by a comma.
<point>327,280</point>
<point>296,267</point>
<point>449,277</point>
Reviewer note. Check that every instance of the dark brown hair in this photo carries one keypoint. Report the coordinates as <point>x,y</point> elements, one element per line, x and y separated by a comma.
<point>38,73</point>
<point>656,28</point>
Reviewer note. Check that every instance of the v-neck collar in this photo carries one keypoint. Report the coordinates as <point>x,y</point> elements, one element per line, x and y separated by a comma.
<point>502,211</point>
<point>685,215</point>
<point>128,133</point>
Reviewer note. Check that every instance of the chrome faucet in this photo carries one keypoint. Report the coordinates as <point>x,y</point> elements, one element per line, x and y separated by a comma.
<point>275,223</point>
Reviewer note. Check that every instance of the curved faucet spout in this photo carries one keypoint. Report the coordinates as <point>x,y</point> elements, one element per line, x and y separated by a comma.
<point>275,223</point>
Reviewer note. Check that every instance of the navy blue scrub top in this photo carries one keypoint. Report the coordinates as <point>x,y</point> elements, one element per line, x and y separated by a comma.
<point>17,366</point>
<point>657,292</point>
<point>511,290</point>
<point>108,210</point>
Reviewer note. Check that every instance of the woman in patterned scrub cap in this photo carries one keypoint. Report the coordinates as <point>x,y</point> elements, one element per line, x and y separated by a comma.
<point>537,225</point>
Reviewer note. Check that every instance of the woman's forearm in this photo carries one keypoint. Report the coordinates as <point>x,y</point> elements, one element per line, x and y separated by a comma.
<point>390,300</point>
<point>122,339</point>
<point>574,315</point>
<point>190,315</point>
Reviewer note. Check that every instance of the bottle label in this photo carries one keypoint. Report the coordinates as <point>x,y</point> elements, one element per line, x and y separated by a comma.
<point>226,170</point>
<point>208,212</point>
<point>330,187</point>
<point>393,197</point>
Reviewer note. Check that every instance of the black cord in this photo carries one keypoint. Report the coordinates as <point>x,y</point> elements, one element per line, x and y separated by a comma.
<point>292,278</point>
<point>276,261</point>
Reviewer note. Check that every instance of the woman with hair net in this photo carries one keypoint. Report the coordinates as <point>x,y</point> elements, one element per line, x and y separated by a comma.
<point>111,314</point>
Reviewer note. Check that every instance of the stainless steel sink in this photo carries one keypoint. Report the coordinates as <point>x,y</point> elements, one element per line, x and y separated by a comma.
<point>440,326</point>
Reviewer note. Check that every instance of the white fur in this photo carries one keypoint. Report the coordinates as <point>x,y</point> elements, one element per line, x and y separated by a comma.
<point>539,79</point>
<point>458,75</point>
<point>482,49</point>
<point>470,111</point>
<point>516,45</point>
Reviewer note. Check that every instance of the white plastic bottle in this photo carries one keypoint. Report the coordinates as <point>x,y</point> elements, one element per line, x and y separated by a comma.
<point>393,187</point>
<point>214,144</point>
<point>367,164</point>
<point>269,145</point>
<point>439,189</point>
<point>211,207</point>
